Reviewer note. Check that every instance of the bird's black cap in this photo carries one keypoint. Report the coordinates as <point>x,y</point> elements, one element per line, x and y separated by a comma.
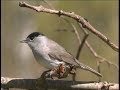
<point>35,34</point>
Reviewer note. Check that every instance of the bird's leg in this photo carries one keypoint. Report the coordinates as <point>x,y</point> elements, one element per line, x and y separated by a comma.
<point>45,74</point>
<point>63,71</point>
<point>55,72</point>
<point>52,73</point>
<point>60,71</point>
<point>48,74</point>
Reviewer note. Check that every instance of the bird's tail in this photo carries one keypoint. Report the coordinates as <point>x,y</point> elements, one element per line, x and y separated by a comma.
<point>85,67</point>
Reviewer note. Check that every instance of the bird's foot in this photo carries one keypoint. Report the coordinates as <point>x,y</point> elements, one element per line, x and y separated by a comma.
<point>59,72</point>
<point>45,74</point>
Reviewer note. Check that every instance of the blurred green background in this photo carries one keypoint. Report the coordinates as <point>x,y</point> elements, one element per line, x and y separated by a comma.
<point>17,59</point>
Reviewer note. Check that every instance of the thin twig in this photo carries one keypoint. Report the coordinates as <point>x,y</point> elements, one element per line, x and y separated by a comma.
<point>98,67</point>
<point>81,46</point>
<point>100,59</point>
<point>85,23</point>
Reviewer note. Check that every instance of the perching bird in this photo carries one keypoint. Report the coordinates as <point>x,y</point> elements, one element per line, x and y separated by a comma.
<point>50,54</point>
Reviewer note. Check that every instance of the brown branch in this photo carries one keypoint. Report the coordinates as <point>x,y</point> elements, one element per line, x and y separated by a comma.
<point>37,84</point>
<point>98,67</point>
<point>99,59</point>
<point>81,46</point>
<point>85,23</point>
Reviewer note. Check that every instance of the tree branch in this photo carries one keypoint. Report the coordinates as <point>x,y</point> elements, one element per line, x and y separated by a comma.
<point>81,46</point>
<point>85,23</point>
<point>99,58</point>
<point>54,84</point>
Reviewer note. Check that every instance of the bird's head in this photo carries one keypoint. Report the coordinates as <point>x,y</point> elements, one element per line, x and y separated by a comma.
<point>33,38</point>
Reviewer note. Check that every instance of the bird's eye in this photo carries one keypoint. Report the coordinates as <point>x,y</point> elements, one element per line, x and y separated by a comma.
<point>31,38</point>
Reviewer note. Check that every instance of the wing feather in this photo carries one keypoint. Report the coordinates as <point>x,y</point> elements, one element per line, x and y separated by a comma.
<point>58,52</point>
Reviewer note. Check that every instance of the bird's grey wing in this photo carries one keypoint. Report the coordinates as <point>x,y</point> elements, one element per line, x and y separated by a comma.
<point>59,53</point>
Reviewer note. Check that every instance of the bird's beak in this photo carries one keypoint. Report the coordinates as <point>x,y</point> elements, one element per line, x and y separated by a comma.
<point>24,41</point>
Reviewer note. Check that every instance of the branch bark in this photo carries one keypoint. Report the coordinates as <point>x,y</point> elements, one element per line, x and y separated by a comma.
<point>85,23</point>
<point>55,84</point>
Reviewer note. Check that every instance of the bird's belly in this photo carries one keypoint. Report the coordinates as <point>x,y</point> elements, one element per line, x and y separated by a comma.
<point>47,63</point>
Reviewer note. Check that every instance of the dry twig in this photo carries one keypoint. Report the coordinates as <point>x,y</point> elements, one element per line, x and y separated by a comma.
<point>100,59</point>
<point>85,24</point>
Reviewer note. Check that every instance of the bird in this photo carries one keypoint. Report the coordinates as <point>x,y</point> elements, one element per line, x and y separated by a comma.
<point>50,54</point>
